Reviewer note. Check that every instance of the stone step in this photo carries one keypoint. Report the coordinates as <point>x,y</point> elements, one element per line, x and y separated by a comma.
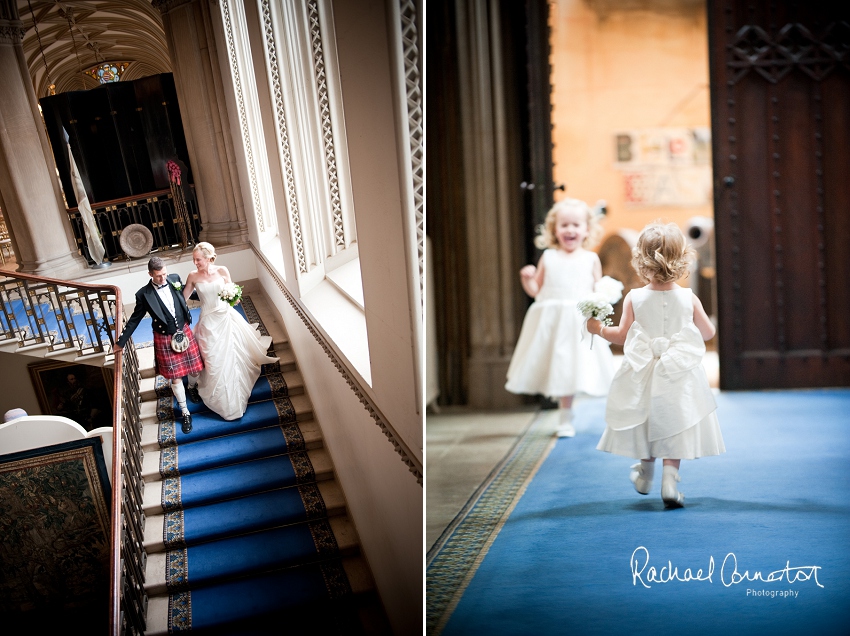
<point>35,350</point>
<point>273,325</point>
<point>356,569</point>
<point>366,602</point>
<point>310,430</point>
<point>343,531</point>
<point>282,351</point>
<point>152,499</point>
<point>294,381</point>
<point>145,356</point>
<point>72,355</point>
<point>9,346</point>
<point>275,328</point>
<point>328,488</point>
<point>301,403</point>
<point>42,350</point>
<point>150,464</point>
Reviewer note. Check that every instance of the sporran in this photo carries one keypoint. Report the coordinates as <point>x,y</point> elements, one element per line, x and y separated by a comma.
<point>179,341</point>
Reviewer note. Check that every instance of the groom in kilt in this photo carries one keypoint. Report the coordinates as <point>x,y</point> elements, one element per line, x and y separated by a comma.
<point>162,298</point>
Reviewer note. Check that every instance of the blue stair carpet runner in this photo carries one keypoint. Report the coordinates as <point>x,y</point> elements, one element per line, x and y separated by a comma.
<point>249,545</point>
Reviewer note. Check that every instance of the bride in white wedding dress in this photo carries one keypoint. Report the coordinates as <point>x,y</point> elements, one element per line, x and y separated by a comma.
<point>233,350</point>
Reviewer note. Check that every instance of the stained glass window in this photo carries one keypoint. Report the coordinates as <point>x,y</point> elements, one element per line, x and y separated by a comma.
<point>108,71</point>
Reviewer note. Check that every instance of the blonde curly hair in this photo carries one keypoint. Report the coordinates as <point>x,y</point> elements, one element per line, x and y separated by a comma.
<point>546,232</point>
<point>661,254</point>
<point>206,249</point>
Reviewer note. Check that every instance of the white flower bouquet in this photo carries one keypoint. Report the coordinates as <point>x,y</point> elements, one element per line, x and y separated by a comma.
<point>610,288</point>
<point>596,306</point>
<point>599,304</point>
<point>231,293</point>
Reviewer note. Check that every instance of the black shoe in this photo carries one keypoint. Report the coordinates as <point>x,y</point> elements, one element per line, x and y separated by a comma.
<point>192,391</point>
<point>187,423</point>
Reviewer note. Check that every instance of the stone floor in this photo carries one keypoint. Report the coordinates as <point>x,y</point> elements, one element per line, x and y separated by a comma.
<point>463,446</point>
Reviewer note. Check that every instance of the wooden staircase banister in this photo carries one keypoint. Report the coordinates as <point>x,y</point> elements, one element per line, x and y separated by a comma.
<point>59,281</point>
<point>37,292</point>
<point>117,479</point>
<point>128,599</point>
<point>135,197</point>
<point>127,605</point>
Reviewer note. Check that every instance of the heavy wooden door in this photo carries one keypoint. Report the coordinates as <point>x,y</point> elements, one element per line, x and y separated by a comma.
<point>537,184</point>
<point>780,82</point>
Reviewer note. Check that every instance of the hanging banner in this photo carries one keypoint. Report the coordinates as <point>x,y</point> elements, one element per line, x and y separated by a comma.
<point>96,248</point>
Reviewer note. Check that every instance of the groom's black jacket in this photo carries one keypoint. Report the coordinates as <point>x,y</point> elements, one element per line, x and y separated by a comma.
<point>149,302</point>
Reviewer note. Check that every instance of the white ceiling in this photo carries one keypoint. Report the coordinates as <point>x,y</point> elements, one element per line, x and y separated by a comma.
<point>99,31</point>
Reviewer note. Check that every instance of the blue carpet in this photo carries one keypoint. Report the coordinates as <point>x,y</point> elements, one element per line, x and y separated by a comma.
<point>237,516</point>
<point>269,385</point>
<point>206,424</point>
<point>249,546</point>
<point>237,480</point>
<point>239,601</point>
<point>233,557</point>
<point>779,497</point>
<point>221,451</point>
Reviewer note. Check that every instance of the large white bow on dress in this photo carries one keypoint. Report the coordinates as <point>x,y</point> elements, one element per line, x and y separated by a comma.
<point>662,382</point>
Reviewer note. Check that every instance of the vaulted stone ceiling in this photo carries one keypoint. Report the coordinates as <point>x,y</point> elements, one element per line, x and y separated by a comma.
<point>77,35</point>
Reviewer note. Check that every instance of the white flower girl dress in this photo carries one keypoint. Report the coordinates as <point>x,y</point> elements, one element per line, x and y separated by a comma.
<point>660,404</point>
<point>551,356</point>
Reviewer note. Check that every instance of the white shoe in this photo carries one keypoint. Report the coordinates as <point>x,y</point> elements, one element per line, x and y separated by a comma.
<point>641,476</point>
<point>566,429</point>
<point>669,492</point>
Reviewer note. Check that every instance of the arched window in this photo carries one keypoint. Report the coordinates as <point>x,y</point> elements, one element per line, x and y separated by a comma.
<point>285,76</point>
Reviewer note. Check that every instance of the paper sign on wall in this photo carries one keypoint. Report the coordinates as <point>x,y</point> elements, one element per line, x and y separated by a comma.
<point>665,166</point>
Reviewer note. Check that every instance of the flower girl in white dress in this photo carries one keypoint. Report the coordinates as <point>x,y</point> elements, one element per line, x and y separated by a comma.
<point>660,404</point>
<point>233,350</point>
<point>550,356</point>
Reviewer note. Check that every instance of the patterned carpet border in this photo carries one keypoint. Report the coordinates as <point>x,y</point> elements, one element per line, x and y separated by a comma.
<point>456,555</point>
<point>253,315</point>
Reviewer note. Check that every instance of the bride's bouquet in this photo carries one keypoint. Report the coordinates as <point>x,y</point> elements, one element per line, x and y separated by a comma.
<point>599,304</point>
<point>231,293</point>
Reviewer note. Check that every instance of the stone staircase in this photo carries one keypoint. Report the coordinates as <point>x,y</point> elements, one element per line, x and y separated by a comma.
<point>265,543</point>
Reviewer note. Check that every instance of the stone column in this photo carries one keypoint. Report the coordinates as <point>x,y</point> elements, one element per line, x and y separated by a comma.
<point>32,202</point>
<point>198,79</point>
<point>493,204</point>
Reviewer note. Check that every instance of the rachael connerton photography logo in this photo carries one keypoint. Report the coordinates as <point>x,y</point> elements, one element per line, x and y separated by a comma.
<point>729,574</point>
<point>773,593</point>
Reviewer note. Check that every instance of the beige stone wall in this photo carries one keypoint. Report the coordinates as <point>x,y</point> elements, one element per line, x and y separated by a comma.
<point>382,496</point>
<point>614,70</point>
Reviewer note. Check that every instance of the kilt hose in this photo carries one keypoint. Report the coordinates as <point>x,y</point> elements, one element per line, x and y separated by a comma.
<point>172,365</point>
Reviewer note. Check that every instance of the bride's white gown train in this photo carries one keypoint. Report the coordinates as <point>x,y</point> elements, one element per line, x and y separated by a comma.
<point>233,352</point>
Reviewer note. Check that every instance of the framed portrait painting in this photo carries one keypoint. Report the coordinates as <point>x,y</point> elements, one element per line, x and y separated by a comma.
<point>80,392</point>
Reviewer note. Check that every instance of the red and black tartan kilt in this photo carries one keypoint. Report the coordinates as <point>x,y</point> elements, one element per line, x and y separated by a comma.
<point>172,365</point>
